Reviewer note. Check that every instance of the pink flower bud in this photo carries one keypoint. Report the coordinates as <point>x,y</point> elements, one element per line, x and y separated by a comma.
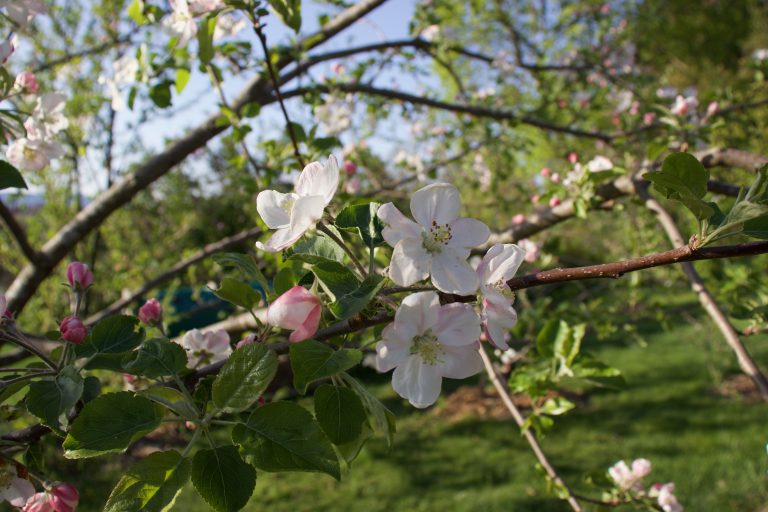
<point>535,198</point>
<point>641,468</point>
<point>649,118</point>
<point>350,168</point>
<point>190,425</point>
<point>38,502</point>
<point>297,310</point>
<point>518,219</point>
<point>248,340</point>
<point>79,276</point>
<point>555,178</point>
<point>337,68</point>
<point>73,330</point>
<point>352,186</point>
<point>561,103</point>
<point>573,157</point>
<point>64,498</point>
<point>151,312</point>
<point>712,109</point>
<point>545,172</point>
<point>27,82</point>
<point>555,201</point>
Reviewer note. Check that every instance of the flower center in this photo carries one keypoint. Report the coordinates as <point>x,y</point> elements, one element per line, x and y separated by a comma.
<point>437,237</point>
<point>427,347</point>
<point>502,287</point>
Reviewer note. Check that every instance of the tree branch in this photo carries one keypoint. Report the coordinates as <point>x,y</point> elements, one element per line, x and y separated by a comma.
<point>18,234</point>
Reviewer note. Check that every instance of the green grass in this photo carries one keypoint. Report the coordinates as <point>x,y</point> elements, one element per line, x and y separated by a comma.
<point>712,447</point>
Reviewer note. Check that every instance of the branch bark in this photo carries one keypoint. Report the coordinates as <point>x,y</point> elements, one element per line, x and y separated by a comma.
<point>18,234</point>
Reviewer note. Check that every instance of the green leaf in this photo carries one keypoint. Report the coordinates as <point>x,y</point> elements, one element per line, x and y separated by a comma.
<point>312,361</point>
<point>158,357</point>
<point>238,293</point>
<point>599,373</point>
<point>289,11</point>
<point>222,478</point>
<point>349,451</point>
<point>336,279</point>
<point>555,333</point>
<point>160,94</point>
<point>316,249</point>
<point>182,79</point>
<point>171,398</point>
<point>284,280</point>
<point>556,406</point>
<point>10,177</point>
<point>363,218</point>
<point>205,38</point>
<point>283,436</point>
<point>382,418</point>
<point>354,302</point>
<point>757,228</point>
<point>339,412</point>
<point>684,179</point>
<point>50,400</point>
<point>245,264</point>
<point>110,423</point>
<point>250,110</point>
<point>151,485</point>
<point>298,131</point>
<point>91,388</point>
<point>244,377</point>
<point>136,12</point>
<point>119,333</point>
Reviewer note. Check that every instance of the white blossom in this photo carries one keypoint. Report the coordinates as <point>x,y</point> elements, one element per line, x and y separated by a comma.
<point>205,347</point>
<point>334,115</point>
<point>22,11</point>
<point>498,266</point>
<point>599,163</point>
<point>47,118</point>
<point>294,213</point>
<point>437,244</point>
<point>427,342</point>
<point>181,22</point>
<point>16,491</point>
<point>33,155</point>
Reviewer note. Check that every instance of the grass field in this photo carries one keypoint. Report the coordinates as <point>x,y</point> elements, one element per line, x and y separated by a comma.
<point>710,445</point>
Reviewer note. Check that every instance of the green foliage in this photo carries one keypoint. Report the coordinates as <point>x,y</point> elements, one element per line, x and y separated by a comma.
<point>157,357</point>
<point>336,279</point>
<point>237,293</point>
<point>205,38</point>
<point>356,300</point>
<point>51,399</point>
<point>379,416</point>
<point>10,177</point>
<point>222,478</point>
<point>316,249</point>
<point>684,179</point>
<point>110,423</point>
<point>749,214</point>
<point>363,219</point>
<point>112,335</point>
<point>245,263</point>
<point>244,377</point>
<point>340,413</point>
<point>151,485</point>
<point>312,361</point>
<point>289,12</point>
<point>283,436</point>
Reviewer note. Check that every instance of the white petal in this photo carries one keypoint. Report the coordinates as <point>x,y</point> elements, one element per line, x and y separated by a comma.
<point>458,325</point>
<point>504,262</point>
<point>417,382</point>
<point>271,207</point>
<point>417,313</point>
<point>460,362</point>
<point>391,351</point>
<point>451,274</point>
<point>282,238</point>
<point>306,211</point>
<point>410,262</point>
<point>499,319</point>
<point>397,226</point>
<point>319,180</point>
<point>468,233</point>
<point>496,335</point>
<point>439,202</point>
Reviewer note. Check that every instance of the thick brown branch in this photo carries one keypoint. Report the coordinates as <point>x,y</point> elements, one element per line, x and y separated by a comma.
<point>18,234</point>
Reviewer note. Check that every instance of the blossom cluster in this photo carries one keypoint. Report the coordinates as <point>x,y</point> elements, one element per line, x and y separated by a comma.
<point>630,478</point>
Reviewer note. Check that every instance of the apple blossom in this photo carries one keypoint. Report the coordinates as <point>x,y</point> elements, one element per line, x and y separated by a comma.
<point>64,498</point>
<point>294,213</point>
<point>48,117</point>
<point>555,178</point>
<point>518,219</point>
<point>79,276</point>
<point>683,105</point>
<point>298,310</point>
<point>151,312</point>
<point>426,343</point>
<point>573,157</point>
<point>22,12</point>
<point>760,54</point>
<point>599,163</point>
<point>228,26</point>
<point>430,33</point>
<point>335,115</point>
<point>545,172</point>
<point>205,347</point>
<point>437,244</point>
<point>665,496</point>
<point>73,330</point>
<point>198,7</point>
<point>531,248</point>
<point>26,82</point>
<point>124,72</point>
<point>554,201</point>
<point>352,186</point>
<point>13,489</point>
<point>649,118</point>
<point>350,169</point>
<point>712,109</point>
<point>38,502</point>
<point>32,155</point>
<point>180,23</point>
<point>627,478</point>
<point>497,267</point>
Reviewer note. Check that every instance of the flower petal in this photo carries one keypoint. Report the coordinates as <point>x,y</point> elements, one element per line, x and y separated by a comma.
<point>410,262</point>
<point>460,362</point>
<point>439,202</point>
<point>451,274</point>
<point>417,382</point>
<point>468,233</point>
<point>503,262</point>
<point>309,327</point>
<point>397,226</point>
<point>306,211</point>
<point>417,313</point>
<point>282,238</point>
<point>391,351</point>
<point>499,319</point>
<point>319,180</point>
<point>271,206</point>
<point>458,325</point>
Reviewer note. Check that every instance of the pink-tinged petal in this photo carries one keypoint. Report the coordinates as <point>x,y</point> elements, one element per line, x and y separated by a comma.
<point>499,319</point>
<point>468,233</point>
<point>217,342</point>
<point>410,262</point>
<point>280,239</point>
<point>504,262</point>
<point>496,335</point>
<point>306,211</point>
<point>439,202</point>
<point>17,493</point>
<point>292,308</point>
<point>417,382</point>
<point>308,328</point>
<point>391,351</point>
<point>397,226</point>
<point>458,325</point>
<point>275,208</point>
<point>451,274</point>
<point>460,362</point>
<point>417,313</point>
<point>319,180</point>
